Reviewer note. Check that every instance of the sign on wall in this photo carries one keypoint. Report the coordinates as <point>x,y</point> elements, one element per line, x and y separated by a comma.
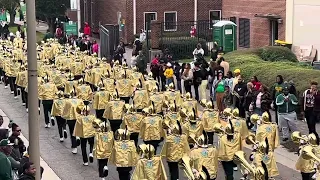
<point>73,5</point>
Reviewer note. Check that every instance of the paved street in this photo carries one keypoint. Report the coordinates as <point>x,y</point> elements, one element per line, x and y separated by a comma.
<point>67,166</point>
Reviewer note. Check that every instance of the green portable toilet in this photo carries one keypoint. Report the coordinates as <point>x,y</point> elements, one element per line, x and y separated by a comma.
<point>225,34</point>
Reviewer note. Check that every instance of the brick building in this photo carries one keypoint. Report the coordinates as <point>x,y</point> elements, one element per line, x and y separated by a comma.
<point>113,11</point>
<point>259,22</point>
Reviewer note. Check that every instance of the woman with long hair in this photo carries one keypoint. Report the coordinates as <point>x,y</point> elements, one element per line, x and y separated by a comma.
<point>219,85</point>
<point>187,76</point>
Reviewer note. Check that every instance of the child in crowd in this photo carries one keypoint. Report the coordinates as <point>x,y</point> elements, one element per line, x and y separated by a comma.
<point>168,73</point>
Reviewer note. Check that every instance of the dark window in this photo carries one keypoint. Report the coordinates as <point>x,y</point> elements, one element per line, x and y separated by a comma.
<point>215,16</point>
<point>170,21</point>
<point>244,32</point>
<point>148,17</point>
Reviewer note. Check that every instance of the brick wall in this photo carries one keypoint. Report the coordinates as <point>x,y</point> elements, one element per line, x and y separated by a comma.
<point>260,27</point>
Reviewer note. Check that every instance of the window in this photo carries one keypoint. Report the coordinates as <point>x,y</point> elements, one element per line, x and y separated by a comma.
<point>148,17</point>
<point>244,32</point>
<point>170,21</point>
<point>214,17</point>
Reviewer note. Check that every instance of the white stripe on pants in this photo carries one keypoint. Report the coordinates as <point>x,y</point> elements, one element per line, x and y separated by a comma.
<point>288,122</point>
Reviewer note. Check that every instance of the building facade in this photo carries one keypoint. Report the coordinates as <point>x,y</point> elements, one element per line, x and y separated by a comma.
<point>259,22</point>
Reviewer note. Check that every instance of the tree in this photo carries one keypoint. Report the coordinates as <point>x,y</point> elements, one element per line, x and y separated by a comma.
<point>49,10</point>
<point>11,6</point>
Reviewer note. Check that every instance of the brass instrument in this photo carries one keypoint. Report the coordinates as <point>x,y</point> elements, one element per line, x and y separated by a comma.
<point>218,128</point>
<point>298,138</point>
<point>308,153</point>
<point>253,172</point>
<point>185,165</point>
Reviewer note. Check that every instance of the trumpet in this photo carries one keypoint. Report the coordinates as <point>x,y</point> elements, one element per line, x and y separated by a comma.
<point>185,165</point>
<point>298,138</point>
<point>218,128</point>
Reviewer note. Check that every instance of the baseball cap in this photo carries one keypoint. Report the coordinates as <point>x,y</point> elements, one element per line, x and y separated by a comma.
<point>237,71</point>
<point>5,142</point>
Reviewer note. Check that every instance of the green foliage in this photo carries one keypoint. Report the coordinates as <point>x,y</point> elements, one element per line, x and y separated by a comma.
<point>11,6</point>
<point>182,47</point>
<point>250,64</point>
<point>277,53</point>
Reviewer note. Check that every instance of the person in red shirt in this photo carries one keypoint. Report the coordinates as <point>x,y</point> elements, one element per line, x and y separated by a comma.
<point>87,29</point>
<point>256,83</point>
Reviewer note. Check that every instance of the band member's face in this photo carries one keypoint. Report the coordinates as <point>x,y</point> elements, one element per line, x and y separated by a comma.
<point>314,88</point>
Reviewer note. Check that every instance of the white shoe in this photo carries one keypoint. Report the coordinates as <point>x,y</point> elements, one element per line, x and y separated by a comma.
<point>23,104</point>
<point>27,110</point>
<point>12,92</point>
<point>103,178</point>
<point>16,97</point>
<point>74,150</point>
<point>6,87</point>
<point>235,168</point>
<point>49,126</point>
<point>91,158</point>
<point>46,126</point>
<point>61,139</point>
<point>86,164</point>
<point>38,108</point>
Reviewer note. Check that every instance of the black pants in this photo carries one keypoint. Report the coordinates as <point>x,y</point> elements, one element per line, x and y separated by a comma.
<point>61,125</point>
<point>5,79</point>
<point>187,88</point>
<point>26,96</point>
<point>77,77</point>
<point>125,99</point>
<point>71,124</point>
<point>84,142</point>
<point>307,176</point>
<point>311,118</point>
<point>228,169</point>
<point>276,110</point>
<point>13,86</point>
<point>163,82</point>
<point>179,86</point>
<point>154,143</point>
<point>135,137</point>
<point>99,114</point>
<point>23,94</point>
<point>242,111</point>
<point>210,137</point>
<point>196,91</point>
<point>102,163</point>
<point>124,173</point>
<point>173,170</point>
<point>115,124</point>
<point>47,106</point>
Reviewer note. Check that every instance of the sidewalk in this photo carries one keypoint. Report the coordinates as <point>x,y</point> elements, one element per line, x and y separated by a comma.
<point>48,173</point>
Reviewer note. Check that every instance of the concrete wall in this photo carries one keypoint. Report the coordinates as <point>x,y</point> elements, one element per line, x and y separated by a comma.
<point>303,25</point>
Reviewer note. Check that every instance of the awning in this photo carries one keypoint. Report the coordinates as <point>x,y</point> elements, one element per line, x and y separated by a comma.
<point>268,16</point>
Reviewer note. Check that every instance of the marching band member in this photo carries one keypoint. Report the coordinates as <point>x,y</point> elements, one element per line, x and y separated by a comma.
<point>57,111</point>
<point>12,70</point>
<point>172,116</point>
<point>239,124</point>
<point>100,100</point>
<point>204,156</point>
<point>174,148</point>
<point>266,129</point>
<point>124,155</point>
<point>172,95</point>
<point>189,103</point>
<point>70,115</point>
<point>83,91</point>
<point>47,93</point>
<point>71,84</point>
<point>114,111</point>
<point>84,130</point>
<point>108,82</point>
<point>149,166</point>
<point>103,145</point>
<point>140,97</point>
<point>150,82</point>
<point>132,121</point>
<point>209,118</point>
<point>21,82</point>
<point>151,131</point>
<point>229,143</point>
<point>157,98</point>
<point>124,86</point>
<point>193,127</point>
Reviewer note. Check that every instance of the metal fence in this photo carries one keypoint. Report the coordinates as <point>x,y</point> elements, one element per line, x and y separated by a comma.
<point>178,39</point>
<point>109,39</point>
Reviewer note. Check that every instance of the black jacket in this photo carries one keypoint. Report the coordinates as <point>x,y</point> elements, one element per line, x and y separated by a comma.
<point>177,73</point>
<point>26,177</point>
<point>4,133</point>
<point>18,148</point>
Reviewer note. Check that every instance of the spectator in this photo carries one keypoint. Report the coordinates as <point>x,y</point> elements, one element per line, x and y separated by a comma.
<point>177,73</point>
<point>287,103</point>
<point>262,101</point>
<point>211,78</point>
<point>142,63</point>
<point>219,68</point>
<point>225,65</point>
<point>168,73</point>
<point>87,29</point>
<point>256,83</point>
<point>59,32</point>
<point>227,98</point>
<point>239,92</point>
<point>214,52</point>
<point>197,52</point>
<point>198,76</point>
<point>95,47</point>
<point>29,171</point>
<point>275,91</point>
<point>6,168</point>
<point>155,67</point>
<point>229,80</point>
<point>237,75</point>
<point>248,98</point>
<point>219,85</point>
<point>47,36</point>
<point>4,132</point>
<point>25,159</point>
<point>311,106</point>
<point>119,53</point>
<point>18,145</point>
<point>143,36</point>
<point>137,46</point>
<point>187,76</point>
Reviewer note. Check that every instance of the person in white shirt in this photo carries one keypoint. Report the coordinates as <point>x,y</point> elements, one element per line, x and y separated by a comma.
<point>143,36</point>
<point>198,51</point>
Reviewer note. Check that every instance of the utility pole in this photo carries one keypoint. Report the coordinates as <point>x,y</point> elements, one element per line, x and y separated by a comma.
<point>79,16</point>
<point>33,118</point>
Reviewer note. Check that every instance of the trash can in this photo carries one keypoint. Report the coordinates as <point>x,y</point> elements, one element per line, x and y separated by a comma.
<point>283,43</point>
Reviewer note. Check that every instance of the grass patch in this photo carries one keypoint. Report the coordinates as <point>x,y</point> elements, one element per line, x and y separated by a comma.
<point>39,35</point>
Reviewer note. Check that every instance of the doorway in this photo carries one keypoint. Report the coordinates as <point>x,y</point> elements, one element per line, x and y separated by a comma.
<point>274,34</point>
